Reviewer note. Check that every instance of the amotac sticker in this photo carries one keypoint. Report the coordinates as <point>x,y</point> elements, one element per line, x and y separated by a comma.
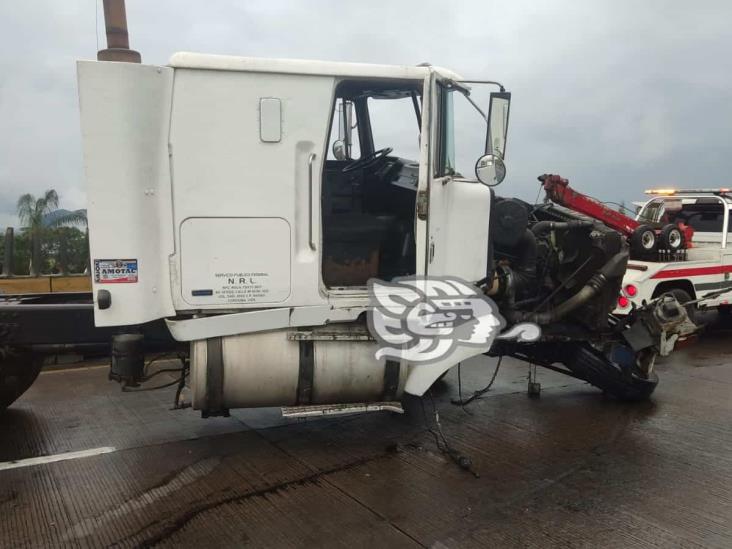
<point>115,271</point>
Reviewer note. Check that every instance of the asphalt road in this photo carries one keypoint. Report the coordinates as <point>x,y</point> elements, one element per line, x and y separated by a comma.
<point>569,469</point>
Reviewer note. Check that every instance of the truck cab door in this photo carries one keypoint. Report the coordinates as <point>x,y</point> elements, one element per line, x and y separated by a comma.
<point>453,210</point>
<point>453,219</point>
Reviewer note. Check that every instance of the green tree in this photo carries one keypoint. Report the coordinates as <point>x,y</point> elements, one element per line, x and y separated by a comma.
<point>33,214</point>
<point>66,250</point>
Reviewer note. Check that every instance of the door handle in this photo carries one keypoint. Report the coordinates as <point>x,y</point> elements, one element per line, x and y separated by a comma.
<point>311,159</point>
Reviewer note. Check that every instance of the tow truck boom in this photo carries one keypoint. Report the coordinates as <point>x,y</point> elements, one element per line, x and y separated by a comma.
<point>645,239</point>
<point>558,190</point>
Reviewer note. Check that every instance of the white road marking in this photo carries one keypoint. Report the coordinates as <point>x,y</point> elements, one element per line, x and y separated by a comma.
<point>28,462</point>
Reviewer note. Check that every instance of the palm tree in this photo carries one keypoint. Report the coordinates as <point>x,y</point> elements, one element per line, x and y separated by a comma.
<point>32,212</point>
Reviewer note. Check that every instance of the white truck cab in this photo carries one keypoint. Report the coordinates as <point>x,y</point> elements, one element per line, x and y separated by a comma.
<point>236,196</point>
<point>689,274</point>
<point>250,202</point>
<point>226,180</point>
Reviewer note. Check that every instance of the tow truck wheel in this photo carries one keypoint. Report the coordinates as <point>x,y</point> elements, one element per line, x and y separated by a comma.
<point>643,241</point>
<point>624,384</point>
<point>671,238</point>
<point>18,371</point>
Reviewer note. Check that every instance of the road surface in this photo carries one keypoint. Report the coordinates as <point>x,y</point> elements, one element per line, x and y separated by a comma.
<point>82,464</point>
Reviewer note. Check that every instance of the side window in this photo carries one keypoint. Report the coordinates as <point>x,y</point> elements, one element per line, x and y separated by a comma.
<point>462,132</point>
<point>707,222</point>
<point>338,131</point>
<point>394,124</point>
<point>702,217</point>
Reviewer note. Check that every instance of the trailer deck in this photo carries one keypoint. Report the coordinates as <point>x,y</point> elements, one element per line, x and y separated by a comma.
<point>568,469</point>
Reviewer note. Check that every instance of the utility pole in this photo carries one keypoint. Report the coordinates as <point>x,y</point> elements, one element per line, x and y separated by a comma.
<point>118,42</point>
<point>9,252</point>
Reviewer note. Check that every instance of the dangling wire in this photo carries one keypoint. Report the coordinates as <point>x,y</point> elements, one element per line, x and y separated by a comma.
<point>462,461</point>
<point>127,389</point>
<point>181,385</point>
<point>183,370</point>
<point>460,392</point>
<point>479,393</point>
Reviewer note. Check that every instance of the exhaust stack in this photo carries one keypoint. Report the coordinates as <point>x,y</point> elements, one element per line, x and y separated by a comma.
<point>118,42</point>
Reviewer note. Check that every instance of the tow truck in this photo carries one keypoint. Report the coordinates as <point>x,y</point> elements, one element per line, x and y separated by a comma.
<point>648,238</point>
<point>705,268</point>
<point>678,243</point>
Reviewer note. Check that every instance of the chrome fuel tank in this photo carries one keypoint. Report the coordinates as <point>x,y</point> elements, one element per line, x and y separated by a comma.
<point>324,365</point>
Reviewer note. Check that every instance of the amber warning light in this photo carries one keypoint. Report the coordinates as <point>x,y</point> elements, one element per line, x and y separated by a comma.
<point>669,192</point>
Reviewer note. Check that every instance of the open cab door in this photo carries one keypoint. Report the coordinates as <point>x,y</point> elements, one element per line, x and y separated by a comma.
<point>453,208</point>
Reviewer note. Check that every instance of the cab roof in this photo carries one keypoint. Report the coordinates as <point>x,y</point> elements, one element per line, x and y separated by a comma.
<point>189,60</point>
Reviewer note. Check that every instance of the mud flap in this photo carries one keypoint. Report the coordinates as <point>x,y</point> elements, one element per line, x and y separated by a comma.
<point>421,377</point>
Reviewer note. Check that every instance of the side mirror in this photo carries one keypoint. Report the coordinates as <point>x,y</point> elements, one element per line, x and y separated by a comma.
<point>498,124</point>
<point>339,150</point>
<point>490,170</point>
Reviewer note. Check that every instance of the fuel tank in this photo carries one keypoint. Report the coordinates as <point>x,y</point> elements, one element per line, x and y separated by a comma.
<point>331,364</point>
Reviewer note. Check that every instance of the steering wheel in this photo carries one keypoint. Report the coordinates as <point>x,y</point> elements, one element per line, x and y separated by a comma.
<point>368,160</point>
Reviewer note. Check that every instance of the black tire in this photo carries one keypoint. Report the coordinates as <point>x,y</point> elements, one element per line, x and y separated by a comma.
<point>672,238</point>
<point>643,241</point>
<point>18,371</point>
<point>590,365</point>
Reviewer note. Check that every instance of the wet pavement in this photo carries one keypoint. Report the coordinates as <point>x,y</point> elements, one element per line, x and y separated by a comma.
<point>569,469</point>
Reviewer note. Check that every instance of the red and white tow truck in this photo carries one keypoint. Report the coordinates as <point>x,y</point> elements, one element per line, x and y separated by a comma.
<point>696,271</point>
<point>678,244</point>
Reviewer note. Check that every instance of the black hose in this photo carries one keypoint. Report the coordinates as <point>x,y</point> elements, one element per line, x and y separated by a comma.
<point>523,267</point>
<point>544,226</point>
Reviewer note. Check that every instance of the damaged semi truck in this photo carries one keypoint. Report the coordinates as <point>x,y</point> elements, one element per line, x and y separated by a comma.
<point>249,202</point>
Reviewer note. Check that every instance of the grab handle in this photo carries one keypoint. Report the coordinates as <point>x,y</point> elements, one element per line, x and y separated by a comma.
<point>311,159</point>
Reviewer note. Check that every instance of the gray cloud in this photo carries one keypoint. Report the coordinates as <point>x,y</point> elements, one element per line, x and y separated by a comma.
<point>616,95</point>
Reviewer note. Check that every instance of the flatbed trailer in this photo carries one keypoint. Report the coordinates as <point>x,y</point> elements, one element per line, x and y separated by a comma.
<point>34,326</point>
<point>46,284</point>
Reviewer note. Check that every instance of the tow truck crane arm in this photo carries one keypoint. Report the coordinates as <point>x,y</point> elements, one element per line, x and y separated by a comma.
<point>644,238</point>
<point>558,191</point>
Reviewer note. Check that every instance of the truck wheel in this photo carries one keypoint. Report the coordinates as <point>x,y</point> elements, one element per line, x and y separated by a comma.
<point>590,365</point>
<point>671,238</point>
<point>18,371</point>
<point>643,241</point>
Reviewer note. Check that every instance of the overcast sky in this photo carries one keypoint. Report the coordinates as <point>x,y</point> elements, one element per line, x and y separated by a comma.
<point>616,95</point>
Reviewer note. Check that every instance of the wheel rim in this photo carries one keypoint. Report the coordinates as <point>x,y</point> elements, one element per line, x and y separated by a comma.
<point>674,239</point>
<point>648,240</point>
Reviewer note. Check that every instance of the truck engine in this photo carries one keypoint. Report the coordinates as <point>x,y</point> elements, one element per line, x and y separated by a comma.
<point>564,271</point>
<point>555,268</point>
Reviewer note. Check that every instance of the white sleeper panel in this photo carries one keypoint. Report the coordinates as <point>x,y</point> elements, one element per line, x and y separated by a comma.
<point>230,261</point>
